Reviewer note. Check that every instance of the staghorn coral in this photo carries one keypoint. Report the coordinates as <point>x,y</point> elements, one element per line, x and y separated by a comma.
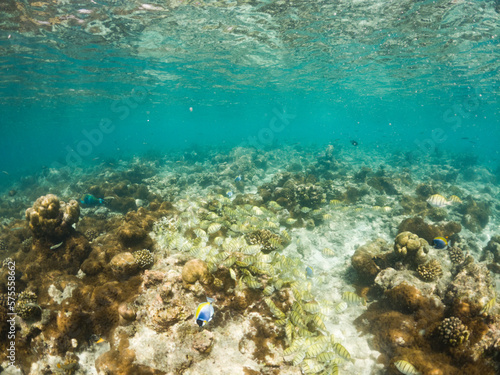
<point>453,332</point>
<point>411,248</point>
<point>143,258</point>
<point>52,218</point>
<point>430,271</point>
<point>265,238</point>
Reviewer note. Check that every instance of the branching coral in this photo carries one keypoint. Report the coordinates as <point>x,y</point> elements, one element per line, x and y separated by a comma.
<point>143,258</point>
<point>453,332</point>
<point>430,271</point>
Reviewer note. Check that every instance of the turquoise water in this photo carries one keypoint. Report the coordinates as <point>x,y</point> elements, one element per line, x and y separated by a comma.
<point>417,77</point>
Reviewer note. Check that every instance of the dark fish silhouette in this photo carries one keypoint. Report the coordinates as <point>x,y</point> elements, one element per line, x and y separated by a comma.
<point>354,143</point>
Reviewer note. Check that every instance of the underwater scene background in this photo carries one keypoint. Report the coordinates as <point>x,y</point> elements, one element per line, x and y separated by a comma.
<point>249,187</point>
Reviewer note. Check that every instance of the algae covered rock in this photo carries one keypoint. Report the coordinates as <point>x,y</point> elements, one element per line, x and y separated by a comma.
<point>368,259</point>
<point>476,215</point>
<point>124,265</point>
<point>52,218</point>
<point>428,232</point>
<point>492,252</point>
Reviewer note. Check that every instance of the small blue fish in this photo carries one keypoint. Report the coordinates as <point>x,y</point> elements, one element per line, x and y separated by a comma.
<point>229,193</point>
<point>440,242</point>
<point>237,179</point>
<point>309,272</point>
<point>90,200</point>
<point>204,312</point>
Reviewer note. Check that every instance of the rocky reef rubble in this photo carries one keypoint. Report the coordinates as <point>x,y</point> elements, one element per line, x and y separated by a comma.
<point>434,308</point>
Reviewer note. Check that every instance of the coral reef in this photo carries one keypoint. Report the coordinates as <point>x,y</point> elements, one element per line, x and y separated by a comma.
<point>430,271</point>
<point>265,238</point>
<point>26,305</point>
<point>456,254</point>
<point>196,270</point>
<point>475,214</point>
<point>49,217</point>
<point>411,248</point>
<point>428,232</point>
<point>369,259</point>
<point>491,252</point>
<point>452,331</point>
<point>124,265</point>
<point>144,258</point>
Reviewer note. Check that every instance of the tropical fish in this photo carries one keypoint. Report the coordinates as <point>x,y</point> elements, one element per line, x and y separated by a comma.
<point>205,312</point>
<point>68,367</point>
<point>353,298</point>
<point>237,179</point>
<point>454,199</point>
<point>440,242</point>
<point>354,143</point>
<point>90,200</point>
<point>406,368</point>
<point>437,200</point>
<point>309,271</point>
<point>489,305</point>
<point>53,247</point>
<point>229,193</point>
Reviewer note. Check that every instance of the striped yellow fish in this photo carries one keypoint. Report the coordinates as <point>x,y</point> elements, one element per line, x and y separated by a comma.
<point>489,305</point>
<point>437,200</point>
<point>406,368</point>
<point>455,200</point>
<point>351,297</point>
<point>341,351</point>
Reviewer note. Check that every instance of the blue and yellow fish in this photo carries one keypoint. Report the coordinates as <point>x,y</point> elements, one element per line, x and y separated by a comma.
<point>204,312</point>
<point>90,200</point>
<point>229,193</point>
<point>440,242</point>
<point>237,179</point>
